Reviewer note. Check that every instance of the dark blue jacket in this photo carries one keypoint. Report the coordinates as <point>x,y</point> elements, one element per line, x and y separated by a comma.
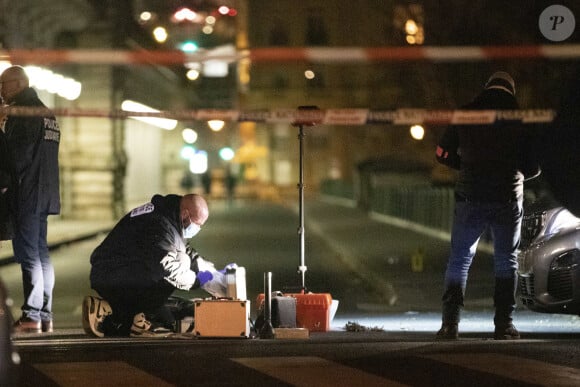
<point>33,142</point>
<point>6,230</point>
<point>493,160</point>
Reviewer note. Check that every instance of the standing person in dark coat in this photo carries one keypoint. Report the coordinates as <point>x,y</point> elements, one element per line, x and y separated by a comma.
<point>6,231</point>
<point>142,261</point>
<point>33,143</point>
<point>493,162</point>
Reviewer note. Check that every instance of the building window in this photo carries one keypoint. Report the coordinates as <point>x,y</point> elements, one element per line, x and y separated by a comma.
<point>316,34</point>
<point>280,82</point>
<point>278,34</point>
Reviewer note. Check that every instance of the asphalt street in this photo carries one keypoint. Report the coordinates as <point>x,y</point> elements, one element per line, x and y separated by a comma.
<point>388,283</point>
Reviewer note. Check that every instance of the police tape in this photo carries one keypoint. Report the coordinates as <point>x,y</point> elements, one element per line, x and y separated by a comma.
<point>292,54</point>
<point>337,116</point>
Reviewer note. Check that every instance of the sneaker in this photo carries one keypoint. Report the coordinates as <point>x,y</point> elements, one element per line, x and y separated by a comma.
<point>143,328</point>
<point>448,331</point>
<point>95,310</point>
<point>508,332</point>
<point>26,325</point>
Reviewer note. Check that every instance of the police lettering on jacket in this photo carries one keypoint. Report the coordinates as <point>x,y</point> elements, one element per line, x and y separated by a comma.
<point>51,129</point>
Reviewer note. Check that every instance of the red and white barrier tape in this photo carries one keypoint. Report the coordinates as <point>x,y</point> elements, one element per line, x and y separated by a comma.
<point>295,54</point>
<point>313,117</point>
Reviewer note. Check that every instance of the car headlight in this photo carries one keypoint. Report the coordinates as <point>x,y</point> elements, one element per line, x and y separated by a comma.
<point>561,220</point>
<point>567,260</point>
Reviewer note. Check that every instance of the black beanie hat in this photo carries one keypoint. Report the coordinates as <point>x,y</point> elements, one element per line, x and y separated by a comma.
<point>501,80</point>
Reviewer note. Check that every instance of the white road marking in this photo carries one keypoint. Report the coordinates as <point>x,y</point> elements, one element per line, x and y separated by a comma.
<point>302,371</point>
<point>516,368</point>
<point>98,374</point>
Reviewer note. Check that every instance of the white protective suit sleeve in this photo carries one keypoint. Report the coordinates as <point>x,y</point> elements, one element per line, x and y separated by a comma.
<point>177,268</point>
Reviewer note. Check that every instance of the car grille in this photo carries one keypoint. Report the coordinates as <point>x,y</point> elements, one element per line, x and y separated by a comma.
<point>560,284</point>
<point>527,290</point>
<point>532,224</point>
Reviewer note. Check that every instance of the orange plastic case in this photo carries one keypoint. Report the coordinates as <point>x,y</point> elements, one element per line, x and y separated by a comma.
<point>312,310</point>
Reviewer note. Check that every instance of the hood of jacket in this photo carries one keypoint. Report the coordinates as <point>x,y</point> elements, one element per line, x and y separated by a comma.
<point>168,206</point>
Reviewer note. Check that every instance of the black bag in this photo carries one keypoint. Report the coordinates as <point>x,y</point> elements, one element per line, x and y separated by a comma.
<point>179,307</point>
<point>283,312</point>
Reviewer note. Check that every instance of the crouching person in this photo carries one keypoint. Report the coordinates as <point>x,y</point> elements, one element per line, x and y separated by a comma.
<point>141,262</point>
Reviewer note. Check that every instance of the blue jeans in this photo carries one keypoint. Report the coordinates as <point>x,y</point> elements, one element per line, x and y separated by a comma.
<point>31,252</point>
<point>470,221</point>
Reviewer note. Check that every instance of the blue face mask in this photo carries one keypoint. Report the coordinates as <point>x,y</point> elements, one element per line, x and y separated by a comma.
<point>191,230</point>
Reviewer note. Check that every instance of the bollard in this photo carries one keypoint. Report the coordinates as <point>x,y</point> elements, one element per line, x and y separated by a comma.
<point>267,331</point>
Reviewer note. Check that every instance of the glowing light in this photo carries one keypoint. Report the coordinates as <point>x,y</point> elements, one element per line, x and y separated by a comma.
<point>192,74</point>
<point>198,162</point>
<point>70,89</point>
<point>145,16</point>
<point>210,20</point>
<point>411,27</point>
<point>227,154</point>
<point>223,10</point>
<point>215,68</point>
<point>43,79</point>
<point>54,83</point>
<point>184,14</point>
<point>417,132</point>
<point>4,65</point>
<point>309,74</point>
<point>187,152</point>
<point>163,123</point>
<point>160,34</point>
<point>189,135</point>
<point>188,46</point>
<point>216,125</point>
<point>207,30</point>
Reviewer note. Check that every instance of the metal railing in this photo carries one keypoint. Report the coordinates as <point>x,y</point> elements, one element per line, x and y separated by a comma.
<point>423,204</point>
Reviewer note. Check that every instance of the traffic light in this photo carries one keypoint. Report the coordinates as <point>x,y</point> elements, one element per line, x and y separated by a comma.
<point>188,46</point>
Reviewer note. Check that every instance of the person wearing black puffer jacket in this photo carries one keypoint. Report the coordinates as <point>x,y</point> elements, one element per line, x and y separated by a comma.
<point>142,261</point>
<point>493,162</point>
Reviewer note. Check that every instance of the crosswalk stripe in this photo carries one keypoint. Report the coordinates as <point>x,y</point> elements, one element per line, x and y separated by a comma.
<point>517,368</point>
<point>303,371</point>
<point>98,374</point>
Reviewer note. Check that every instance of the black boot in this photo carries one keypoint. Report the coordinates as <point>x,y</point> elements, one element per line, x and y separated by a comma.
<point>504,300</point>
<point>452,304</point>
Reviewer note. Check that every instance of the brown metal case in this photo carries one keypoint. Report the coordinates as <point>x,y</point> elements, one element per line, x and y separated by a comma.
<point>222,318</point>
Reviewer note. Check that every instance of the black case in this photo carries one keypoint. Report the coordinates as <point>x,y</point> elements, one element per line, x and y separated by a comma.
<point>283,312</point>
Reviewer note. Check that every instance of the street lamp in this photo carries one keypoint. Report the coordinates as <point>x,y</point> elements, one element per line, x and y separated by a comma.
<point>227,154</point>
<point>216,125</point>
<point>417,132</point>
<point>184,15</point>
<point>160,34</point>
<point>189,135</point>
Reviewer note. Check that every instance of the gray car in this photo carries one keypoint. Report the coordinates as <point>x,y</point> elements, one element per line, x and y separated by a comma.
<point>549,262</point>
